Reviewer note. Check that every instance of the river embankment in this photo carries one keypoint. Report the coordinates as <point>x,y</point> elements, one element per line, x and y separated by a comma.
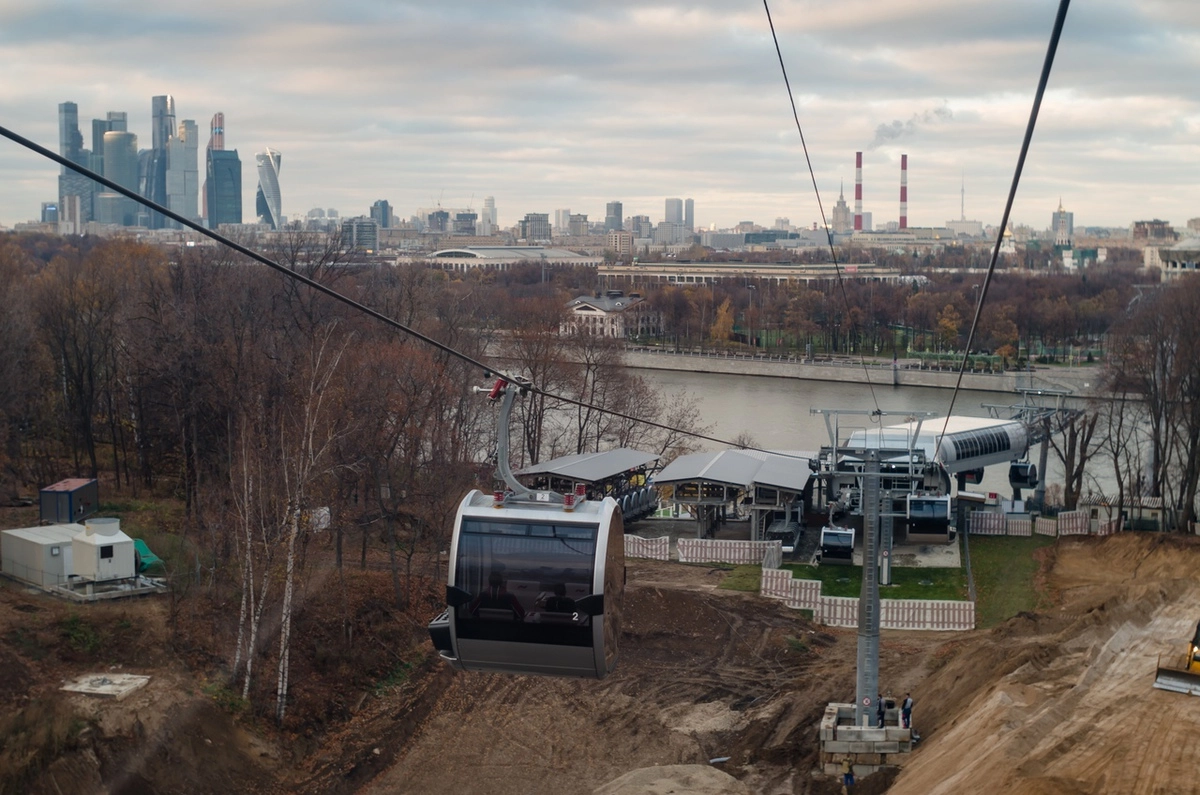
<point>1077,380</point>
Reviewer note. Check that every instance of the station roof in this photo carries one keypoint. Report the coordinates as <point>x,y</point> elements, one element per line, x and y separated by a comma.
<point>783,469</point>
<point>591,467</point>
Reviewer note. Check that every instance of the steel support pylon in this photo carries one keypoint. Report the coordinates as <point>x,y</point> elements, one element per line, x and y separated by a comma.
<point>867,690</point>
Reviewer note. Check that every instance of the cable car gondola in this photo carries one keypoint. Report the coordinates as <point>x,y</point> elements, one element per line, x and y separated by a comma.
<point>536,579</point>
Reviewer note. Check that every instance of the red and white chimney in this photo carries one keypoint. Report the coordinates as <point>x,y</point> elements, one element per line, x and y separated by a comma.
<point>903,192</point>
<point>858,191</point>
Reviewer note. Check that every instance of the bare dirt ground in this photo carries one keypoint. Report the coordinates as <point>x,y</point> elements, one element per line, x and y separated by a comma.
<point>1060,702</point>
<point>716,691</point>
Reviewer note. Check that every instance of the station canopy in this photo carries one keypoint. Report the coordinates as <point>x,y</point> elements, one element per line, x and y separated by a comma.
<point>591,467</point>
<point>782,469</point>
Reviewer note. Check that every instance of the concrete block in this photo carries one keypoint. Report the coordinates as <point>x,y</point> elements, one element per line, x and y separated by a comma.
<point>872,735</point>
<point>896,734</point>
<point>832,769</point>
<point>836,747</point>
<point>887,748</point>
<point>861,747</point>
<point>862,771</point>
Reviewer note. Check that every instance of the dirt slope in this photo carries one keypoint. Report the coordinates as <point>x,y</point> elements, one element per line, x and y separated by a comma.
<point>1069,706</point>
<point>1059,702</point>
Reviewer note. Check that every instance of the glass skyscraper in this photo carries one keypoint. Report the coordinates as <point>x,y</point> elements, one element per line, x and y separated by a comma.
<point>223,187</point>
<point>268,201</point>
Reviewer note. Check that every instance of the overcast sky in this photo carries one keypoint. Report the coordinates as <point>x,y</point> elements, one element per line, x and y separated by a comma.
<point>550,105</point>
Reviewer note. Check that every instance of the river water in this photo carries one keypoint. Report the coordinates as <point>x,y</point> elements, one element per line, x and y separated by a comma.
<point>776,411</point>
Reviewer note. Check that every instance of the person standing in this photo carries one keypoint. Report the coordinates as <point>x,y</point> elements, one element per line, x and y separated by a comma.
<point>847,776</point>
<point>906,711</point>
<point>879,711</point>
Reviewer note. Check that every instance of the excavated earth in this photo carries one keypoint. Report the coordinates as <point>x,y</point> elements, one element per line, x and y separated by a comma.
<point>712,681</point>
<point>716,692</point>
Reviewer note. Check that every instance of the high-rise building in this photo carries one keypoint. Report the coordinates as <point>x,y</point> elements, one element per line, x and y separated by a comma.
<point>183,172</point>
<point>120,166</point>
<point>535,226</point>
<point>840,218</point>
<point>70,146</point>
<point>268,201</point>
<point>1062,224</point>
<point>641,227</point>
<point>115,122</point>
<point>674,211</point>
<point>154,171</point>
<point>465,223</point>
<point>489,210</point>
<point>614,220</point>
<point>621,242</point>
<point>577,224</point>
<point>361,234</point>
<point>562,221</point>
<point>50,213</point>
<point>223,187</point>
<point>381,213</point>
<point>689,215</point>
<point>216,141</point>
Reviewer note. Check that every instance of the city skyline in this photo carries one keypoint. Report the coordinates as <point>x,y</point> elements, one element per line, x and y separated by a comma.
<point>637,102</point>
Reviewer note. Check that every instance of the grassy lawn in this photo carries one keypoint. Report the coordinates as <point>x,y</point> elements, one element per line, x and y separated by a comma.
<point>743,578</point>
<point>906,583</point>
<point>1004,570</point>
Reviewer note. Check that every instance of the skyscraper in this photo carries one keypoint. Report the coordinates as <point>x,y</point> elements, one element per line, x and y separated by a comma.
<point>268,201</point>
<point>183,174</point>
<point>689,215</point>
<point>70,146</point>
<point>674,211</point>
<point>223,187</point>
<point>381,213</point>
<point>216,142</point>
<point>120,166</point>
<point>1062,224</point>
<point>162,129</point>
<point>614,220</point>
<point>117,121</point>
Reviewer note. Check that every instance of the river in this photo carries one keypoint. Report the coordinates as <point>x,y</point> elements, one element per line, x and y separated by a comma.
<point>775,411</point>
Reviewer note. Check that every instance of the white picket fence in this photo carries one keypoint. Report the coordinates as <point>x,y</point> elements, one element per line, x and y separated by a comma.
<point>842,611</point>
<point>713,550</point>
<point>653,548</point>
<point>1069,523</point>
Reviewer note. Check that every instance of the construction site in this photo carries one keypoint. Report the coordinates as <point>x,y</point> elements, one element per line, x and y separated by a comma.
<point>714,691</point>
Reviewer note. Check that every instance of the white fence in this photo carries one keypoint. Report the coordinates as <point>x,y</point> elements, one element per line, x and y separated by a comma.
<point>1074,523</point>
<point>653,548</point>
<point>842,611</point>
<point>1020,527</point>
<point>985,523</point>
<point>1068,523</point>
<point>710,550</point>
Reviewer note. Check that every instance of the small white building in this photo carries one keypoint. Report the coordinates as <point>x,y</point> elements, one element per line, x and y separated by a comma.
<point>102,552</point>
<point>39,555</point>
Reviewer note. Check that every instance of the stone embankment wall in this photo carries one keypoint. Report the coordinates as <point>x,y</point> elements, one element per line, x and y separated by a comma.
<point>903,373</point>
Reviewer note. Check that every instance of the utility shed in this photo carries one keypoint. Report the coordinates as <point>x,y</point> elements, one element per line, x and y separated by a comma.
<point>71,500</point>
<point>39,555</point>
<point>102,552</point>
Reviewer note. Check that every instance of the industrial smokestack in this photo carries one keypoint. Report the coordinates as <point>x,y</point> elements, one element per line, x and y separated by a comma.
<point>858,191</point>
<point>903,192</point>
